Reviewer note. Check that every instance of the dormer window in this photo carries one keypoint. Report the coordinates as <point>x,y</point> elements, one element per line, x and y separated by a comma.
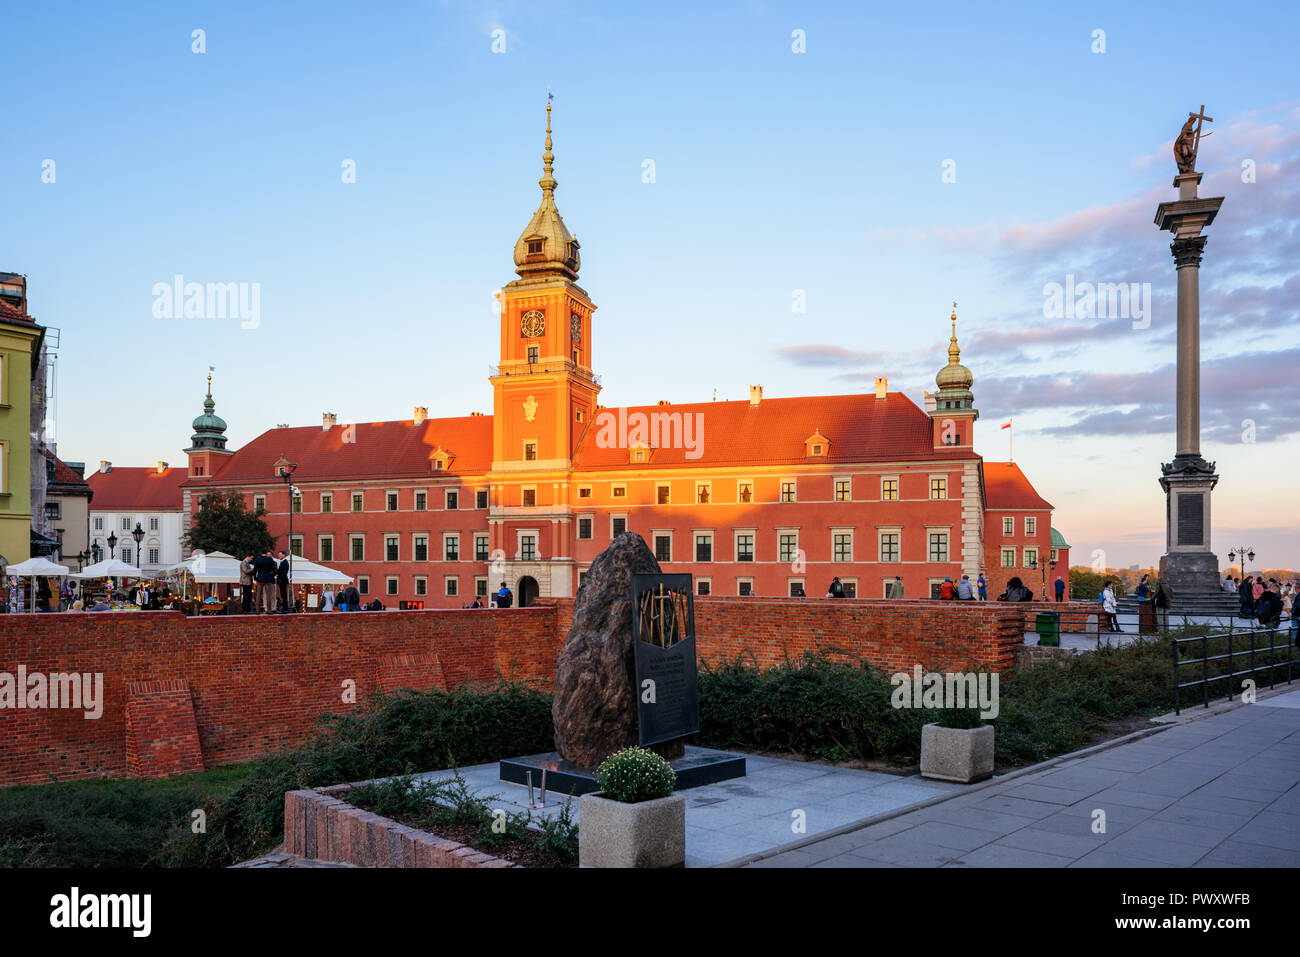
<point>816,445</point>
<point>573,250</point>
<point>535,247</point>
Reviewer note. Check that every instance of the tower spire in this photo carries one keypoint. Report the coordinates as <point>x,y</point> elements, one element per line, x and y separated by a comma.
<point>547,182</point>
<point>954,351</point>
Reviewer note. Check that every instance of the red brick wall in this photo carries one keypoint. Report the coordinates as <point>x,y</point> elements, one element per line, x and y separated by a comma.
<point>951,635</point>
<point>258,683</point>
<point>162,736</point>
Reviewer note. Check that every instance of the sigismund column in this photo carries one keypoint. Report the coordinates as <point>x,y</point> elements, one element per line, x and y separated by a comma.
<point>1188,564</point>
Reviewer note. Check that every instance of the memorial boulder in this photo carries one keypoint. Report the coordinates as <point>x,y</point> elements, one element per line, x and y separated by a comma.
<point>595,705</point>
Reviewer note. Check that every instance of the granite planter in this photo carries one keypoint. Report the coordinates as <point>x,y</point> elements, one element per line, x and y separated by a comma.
<point>957,754</point>
<point>644,834</point>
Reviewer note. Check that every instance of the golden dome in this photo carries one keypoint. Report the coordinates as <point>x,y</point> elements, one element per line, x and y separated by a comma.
<point>546,247</point>
<point>954,377</point>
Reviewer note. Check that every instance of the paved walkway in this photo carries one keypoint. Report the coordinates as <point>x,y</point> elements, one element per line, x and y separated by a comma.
<point>1221,791</point>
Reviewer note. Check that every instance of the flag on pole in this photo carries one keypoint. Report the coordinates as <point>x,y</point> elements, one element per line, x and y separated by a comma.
<point>1007,424</point>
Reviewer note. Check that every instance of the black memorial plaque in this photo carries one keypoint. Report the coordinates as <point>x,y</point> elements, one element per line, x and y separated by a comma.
<point>663,632</point>
<point>1191,519</point>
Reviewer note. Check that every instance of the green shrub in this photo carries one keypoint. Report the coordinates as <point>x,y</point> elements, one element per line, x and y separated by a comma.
<point>103,823</point>
<point>814,706</point>
<point>635,774</point>
<point>959,718</point>
<point>400,733</point>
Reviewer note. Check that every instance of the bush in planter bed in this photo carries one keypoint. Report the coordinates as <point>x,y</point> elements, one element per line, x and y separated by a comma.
<point>635,774</point>
<point>960,718</point>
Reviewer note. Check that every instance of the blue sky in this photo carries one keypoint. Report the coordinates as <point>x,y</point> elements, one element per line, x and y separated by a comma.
<point>775,171</point>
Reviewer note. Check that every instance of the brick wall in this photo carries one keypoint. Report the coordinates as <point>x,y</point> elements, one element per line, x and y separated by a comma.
<point>894,635</point>
<point>258,683</point>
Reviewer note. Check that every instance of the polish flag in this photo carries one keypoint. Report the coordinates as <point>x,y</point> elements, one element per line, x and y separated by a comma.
<point>1007,425</point>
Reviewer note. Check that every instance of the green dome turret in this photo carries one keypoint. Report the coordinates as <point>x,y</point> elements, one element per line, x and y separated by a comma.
<point>209,428</point>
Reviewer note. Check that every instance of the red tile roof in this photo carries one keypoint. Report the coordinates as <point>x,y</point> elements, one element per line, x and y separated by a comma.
<point>64,475</point>
<point>364,450</point>
<point>1005,486</point>
<point>860,428</point>
<point>137,489</point>
<point>12,313</point>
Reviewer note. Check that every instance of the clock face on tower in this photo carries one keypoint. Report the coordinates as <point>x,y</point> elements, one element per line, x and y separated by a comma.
<point>532,324</point>
<point>575,327</point>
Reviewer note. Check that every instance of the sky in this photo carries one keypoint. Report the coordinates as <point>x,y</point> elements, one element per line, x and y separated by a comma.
<point>790,195</point>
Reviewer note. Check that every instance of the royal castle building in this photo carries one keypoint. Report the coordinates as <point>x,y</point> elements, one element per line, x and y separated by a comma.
<point>769,496</point>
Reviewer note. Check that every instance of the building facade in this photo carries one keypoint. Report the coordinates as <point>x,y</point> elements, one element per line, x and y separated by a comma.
<point>146,498</point>
<point>765,496</point>
<point>67,509</point>
<point>21,362</point>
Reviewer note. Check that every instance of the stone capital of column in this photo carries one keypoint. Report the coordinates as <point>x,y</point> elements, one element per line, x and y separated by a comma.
<point>1188,250</point>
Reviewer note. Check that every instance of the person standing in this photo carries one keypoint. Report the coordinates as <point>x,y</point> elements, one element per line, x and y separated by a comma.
<point>1059,585</point>
<point>1243,595</point>
<point>895,592</point>
<point>246,584</point>
<point>327,600</point>
<point>264,569</point>
<point>1164,597</point>
<point>983,587</point>
<point>282,583</point>
<point>836,590</point>
<point>1110,607</point>
<point>504,597</point>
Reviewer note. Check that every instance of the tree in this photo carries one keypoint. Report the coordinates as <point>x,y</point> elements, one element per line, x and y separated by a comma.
<point>224,525</point>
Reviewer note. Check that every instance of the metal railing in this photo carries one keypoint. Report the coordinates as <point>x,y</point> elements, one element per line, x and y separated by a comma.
<point>1232,656</point>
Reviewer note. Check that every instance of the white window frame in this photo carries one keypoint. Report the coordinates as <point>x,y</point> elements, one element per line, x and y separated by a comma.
<point>842,531</point>
<point>449,537</point>
<point>880,545</point>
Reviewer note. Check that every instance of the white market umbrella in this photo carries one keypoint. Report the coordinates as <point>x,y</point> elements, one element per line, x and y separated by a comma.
<point>304,572</point>
<point>110,568</point>
<point>34,568</point>
<point>42,567</point>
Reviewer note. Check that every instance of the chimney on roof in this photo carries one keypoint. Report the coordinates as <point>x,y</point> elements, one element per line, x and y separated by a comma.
<point>327,421</point>
<point>420,414</point>
<point>105,466</point>
<point>882,386</point>
<point>755,394</point>
<point>162,467</point>
<point>664,402</point>
<point>931,403</point>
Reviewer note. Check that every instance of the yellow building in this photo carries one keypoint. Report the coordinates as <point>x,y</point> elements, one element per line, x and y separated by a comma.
<point>20,351</point>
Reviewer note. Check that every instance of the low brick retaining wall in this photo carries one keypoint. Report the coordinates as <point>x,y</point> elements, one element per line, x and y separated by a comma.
<point>319,824</point>
<point>1029,656</point>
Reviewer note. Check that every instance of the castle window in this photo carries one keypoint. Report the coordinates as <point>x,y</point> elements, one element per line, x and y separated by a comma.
<point>392,501</point>
<point>530,497</point>
<point>584,528</point>
<point>744,492</point>
<point>1008,558</point>
<point>421,501</point>
<point>327,502</point>
<point>938,488</point>
<point>787,491</point>
<point>1031,526</point>
<point>481,552</point>
<point>530,451</point>
<point>363,584</point>
<point>532,355</point>
<point>1008,526</point>
<point>480,499</point>
<point>702,492</point>
<point>938,546</point>
<point>842,490</point>
<point>528,547</point>
<point>889,490</point>
<point>534,247</point>
<point>664,548</point>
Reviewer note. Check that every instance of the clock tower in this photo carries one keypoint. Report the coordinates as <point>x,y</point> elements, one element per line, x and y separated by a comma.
<point>544,396</point>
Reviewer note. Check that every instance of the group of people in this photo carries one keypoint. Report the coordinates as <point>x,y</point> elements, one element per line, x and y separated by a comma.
<point>964,590</point>
<point>269,574</point>
<point>1265,601</point>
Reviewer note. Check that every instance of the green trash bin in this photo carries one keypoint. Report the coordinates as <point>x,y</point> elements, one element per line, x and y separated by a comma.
<point>1048,626</point>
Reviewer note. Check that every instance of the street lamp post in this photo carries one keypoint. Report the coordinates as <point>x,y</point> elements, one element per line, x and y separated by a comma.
<point>1246,552</point>
<point>112,544</point>
<point>286,473</point>
<point>138,534</point>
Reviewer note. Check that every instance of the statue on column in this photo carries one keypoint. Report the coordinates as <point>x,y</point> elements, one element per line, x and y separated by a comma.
<point>1189,141</point>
